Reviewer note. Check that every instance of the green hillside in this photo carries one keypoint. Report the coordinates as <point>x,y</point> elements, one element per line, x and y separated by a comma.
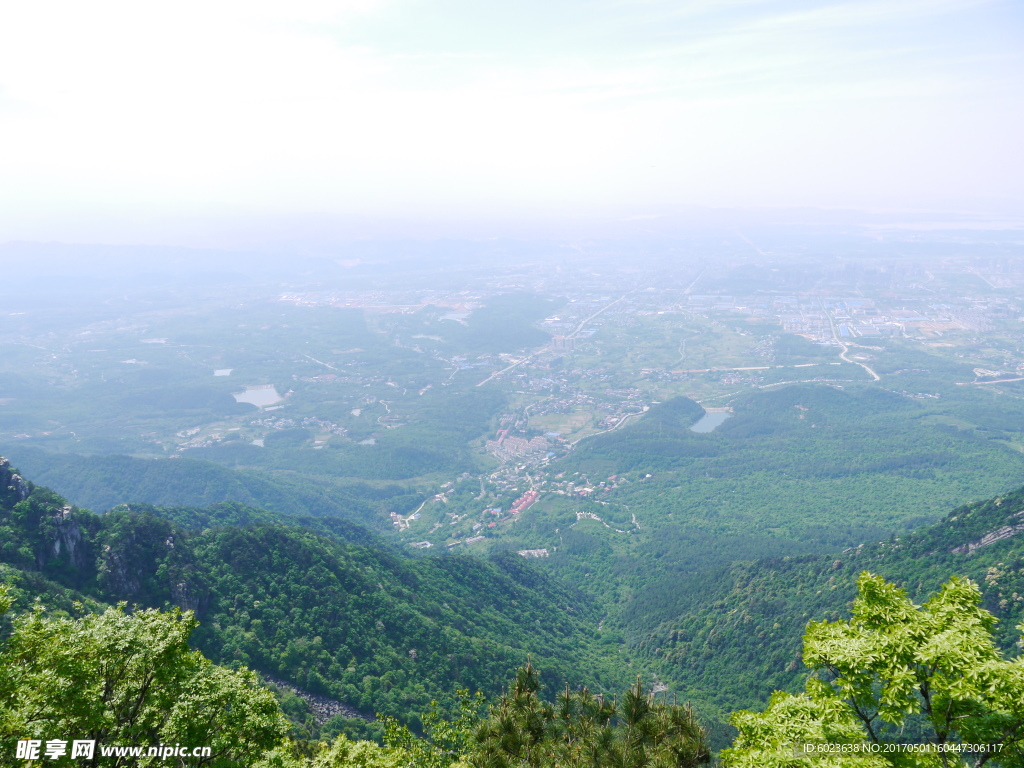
<point>323,604</point>
<point>735,631</point>
<point>325,609</point>
<point>804,463</point>
<point>100,482</point>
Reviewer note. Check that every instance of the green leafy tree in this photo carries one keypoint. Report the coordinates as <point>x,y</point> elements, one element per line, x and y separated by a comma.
<point>445,742</point>
<point>581,730</point>
<point>129,679</point>
<point>344,753</point>
<point>898,685</point>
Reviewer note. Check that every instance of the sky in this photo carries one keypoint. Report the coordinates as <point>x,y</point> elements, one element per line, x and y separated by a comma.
<point>128,121</point>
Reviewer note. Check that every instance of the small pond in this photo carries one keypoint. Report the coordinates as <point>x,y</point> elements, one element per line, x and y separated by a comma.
<point>259,396</point>
<point>709,421</point>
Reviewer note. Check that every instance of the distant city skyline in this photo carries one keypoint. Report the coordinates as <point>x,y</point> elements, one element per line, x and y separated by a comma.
<point>221,123</point>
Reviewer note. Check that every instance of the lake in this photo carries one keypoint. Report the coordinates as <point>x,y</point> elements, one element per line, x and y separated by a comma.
<point>709,421</point>
<point>259,396</point>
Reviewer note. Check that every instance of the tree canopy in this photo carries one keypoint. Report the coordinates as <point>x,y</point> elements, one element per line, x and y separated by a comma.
<point>896,685</point>
<point>129,679</point>
<point>581,730</point>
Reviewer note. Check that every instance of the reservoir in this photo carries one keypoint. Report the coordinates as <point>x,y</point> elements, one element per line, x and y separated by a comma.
<point>260,396</point>
<point>709,421</point>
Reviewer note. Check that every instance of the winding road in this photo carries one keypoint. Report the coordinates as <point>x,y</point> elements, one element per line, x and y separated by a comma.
<point>846,349</point>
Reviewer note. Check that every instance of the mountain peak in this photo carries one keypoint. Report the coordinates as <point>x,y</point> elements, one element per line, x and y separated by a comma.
<point>13,487</point>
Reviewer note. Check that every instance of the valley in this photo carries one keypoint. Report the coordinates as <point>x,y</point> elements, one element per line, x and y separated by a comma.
<point>687,444</point>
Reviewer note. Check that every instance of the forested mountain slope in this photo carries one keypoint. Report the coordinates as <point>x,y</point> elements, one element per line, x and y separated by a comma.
<point>324,604</point>
<point>356,622</point>
<point>100,482</point>
<point>808,463</point>
<point>736,631</point>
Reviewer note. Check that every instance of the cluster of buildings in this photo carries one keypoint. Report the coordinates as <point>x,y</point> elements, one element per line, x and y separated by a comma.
<point>321,425</point>
<point>566,401</point>
<point>508,447</point>
<point>824,319</point>
<point>524,502</point>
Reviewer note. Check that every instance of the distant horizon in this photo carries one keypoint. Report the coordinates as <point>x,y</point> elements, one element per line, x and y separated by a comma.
<point>247,234</point>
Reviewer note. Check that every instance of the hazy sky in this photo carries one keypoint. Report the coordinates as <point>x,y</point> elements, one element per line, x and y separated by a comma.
<point>115,112</point>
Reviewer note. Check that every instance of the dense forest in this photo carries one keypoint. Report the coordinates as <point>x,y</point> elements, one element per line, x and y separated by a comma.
<point>787,455</point>
<point>331,609</point>
<point>101,482</point>
<point>318,602</point>
<point>735,630</point>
